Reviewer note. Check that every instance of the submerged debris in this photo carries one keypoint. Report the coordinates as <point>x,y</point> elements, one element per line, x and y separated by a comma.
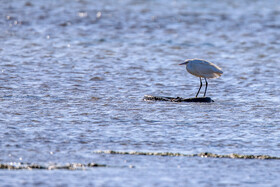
<point>178,99</point>
<point>204,154</point>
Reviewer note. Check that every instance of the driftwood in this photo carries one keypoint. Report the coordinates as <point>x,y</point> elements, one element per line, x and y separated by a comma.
<point>178,99</point>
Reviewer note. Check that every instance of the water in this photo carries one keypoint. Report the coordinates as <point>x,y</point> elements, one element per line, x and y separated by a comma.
<point>73,75</point>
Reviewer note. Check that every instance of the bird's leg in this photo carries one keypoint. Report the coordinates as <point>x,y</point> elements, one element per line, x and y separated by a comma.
<point>205,87</point>
<point>199,87</point>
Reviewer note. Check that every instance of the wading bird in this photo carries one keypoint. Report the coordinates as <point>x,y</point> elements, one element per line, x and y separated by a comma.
<point>202,69</point>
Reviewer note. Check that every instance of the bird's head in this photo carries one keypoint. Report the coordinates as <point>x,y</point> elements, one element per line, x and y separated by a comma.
<point>185,62</point>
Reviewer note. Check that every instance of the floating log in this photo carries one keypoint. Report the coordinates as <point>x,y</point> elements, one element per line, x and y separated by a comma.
<point>178,99</point>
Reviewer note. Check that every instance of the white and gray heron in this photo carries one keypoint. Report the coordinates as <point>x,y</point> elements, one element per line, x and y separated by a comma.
<point>202,69</point>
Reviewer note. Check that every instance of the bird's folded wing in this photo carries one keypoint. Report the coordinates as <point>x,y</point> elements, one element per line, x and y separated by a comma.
<point>204,69</point>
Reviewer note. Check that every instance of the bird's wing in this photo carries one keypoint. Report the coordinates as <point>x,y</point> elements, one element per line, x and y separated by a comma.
<point>204,69</point>
<point>214,68</point>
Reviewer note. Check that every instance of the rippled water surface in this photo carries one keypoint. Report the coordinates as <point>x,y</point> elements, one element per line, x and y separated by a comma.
<point>73,75</point>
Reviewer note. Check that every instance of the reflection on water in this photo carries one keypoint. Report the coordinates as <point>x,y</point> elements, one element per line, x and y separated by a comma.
<point>73,76</point>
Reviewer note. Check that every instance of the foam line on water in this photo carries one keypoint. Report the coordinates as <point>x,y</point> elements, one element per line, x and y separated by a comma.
<point>70,166</point>
<point>203,154</point>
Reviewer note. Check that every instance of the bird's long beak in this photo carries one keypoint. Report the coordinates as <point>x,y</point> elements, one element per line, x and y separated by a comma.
<point>183,63</point>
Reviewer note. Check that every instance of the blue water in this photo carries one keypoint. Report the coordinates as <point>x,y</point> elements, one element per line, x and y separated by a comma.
<point>73,75</point>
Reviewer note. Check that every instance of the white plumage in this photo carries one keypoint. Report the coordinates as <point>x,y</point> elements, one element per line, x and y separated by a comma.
<point>202,69</point>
